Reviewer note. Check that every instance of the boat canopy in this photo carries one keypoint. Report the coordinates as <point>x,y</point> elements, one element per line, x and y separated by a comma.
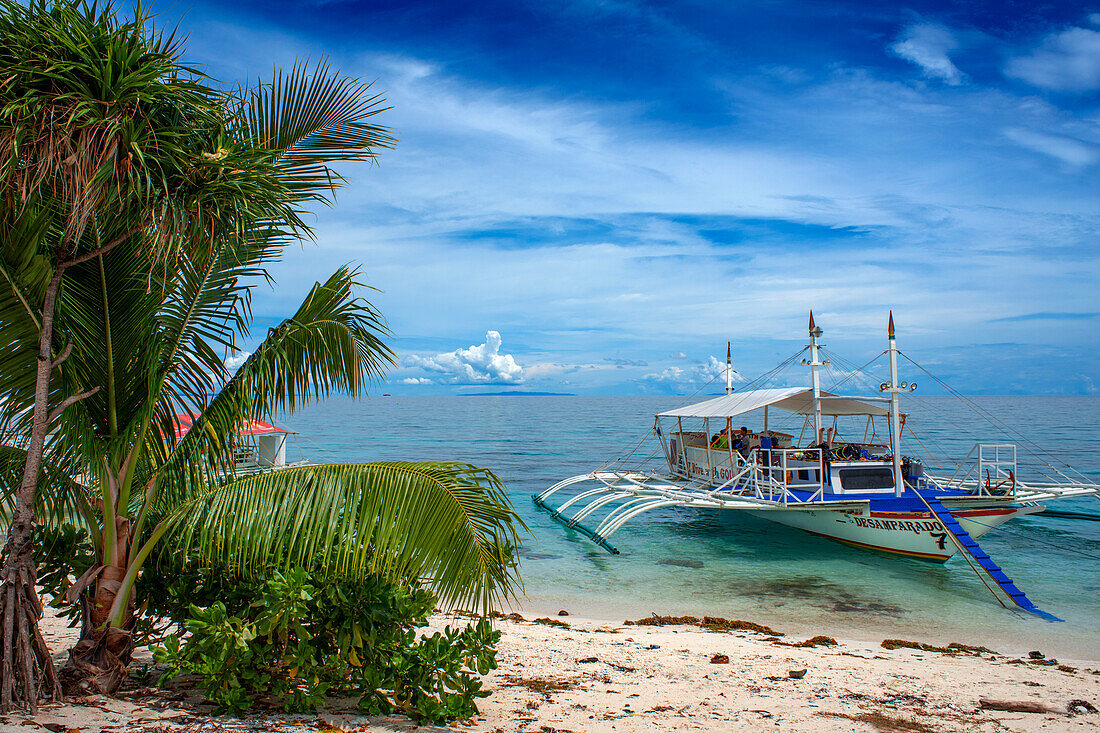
<point>793,399</point>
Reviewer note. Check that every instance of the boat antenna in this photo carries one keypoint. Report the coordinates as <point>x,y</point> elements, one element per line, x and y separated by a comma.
<point>814,363</point>
<point>894,388</point>
<point>729,368</point>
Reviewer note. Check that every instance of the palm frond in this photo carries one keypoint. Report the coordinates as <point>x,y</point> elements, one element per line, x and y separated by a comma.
<point>332,344</point>
<point>205,312</point>
<point>59,499</point>
<point>310,119</point>
<point>449,526</point>
<point>93,111</point>
<point>23,277</point>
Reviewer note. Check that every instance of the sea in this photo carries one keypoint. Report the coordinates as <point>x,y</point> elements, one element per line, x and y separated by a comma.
<point>731,564</point>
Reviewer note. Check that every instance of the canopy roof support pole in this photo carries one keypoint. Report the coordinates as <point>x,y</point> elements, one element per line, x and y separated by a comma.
<point>706,429</point>
<point>729,444</point>
<point>665,446</point>
<point>683,445</point>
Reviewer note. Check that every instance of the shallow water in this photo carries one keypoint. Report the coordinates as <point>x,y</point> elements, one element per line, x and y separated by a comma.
<point>734,565</point>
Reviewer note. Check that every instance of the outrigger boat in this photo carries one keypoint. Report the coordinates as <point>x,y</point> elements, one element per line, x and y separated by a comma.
<point>864,493</point>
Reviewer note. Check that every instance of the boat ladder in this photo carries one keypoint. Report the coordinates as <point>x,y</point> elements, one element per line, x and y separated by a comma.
<point>980,562</point>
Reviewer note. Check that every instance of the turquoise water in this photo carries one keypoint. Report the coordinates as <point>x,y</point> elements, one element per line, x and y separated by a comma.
<point>751,568</point>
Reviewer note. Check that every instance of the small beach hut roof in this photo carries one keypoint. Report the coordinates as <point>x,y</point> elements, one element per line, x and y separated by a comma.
<point>248,427</point>
<point>793,399</point>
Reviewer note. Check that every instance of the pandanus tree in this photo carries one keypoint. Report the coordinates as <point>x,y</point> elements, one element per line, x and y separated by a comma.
<point>102,133</point>
<point>128,285</point>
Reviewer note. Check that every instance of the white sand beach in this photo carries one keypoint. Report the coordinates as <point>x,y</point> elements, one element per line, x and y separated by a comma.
<point>568,675</point>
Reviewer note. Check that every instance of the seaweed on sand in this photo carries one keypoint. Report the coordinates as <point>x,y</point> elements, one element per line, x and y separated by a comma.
<point>952,648</point>
<point>882,722</point>
<point>552,622</point>
<point>710,623</point>
<point>542,685</point>
<point>814,641</point>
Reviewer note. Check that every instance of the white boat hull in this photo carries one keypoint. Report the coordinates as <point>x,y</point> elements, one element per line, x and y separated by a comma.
<point>916,534</point>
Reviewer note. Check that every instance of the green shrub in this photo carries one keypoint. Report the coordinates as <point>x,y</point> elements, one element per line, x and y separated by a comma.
<point>293,640</point>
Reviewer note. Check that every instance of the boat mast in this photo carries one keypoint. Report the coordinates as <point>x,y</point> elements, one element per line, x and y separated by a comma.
<point>729,368</point>
<point>814,363</point>
<point>895,420</point>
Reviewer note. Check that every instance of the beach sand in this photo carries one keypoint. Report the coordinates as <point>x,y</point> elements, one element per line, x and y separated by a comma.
<point>598,676</point>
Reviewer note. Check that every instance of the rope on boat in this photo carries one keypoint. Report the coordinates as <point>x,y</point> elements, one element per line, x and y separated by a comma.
<point>757,383</point>
<point>1037,450</point>
<point>1039,457</point>
<point>980,561</point>
<point>1055,545</point>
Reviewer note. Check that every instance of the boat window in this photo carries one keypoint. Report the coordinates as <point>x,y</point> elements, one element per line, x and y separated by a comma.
<point>804,475</point>
<point>854,479</point>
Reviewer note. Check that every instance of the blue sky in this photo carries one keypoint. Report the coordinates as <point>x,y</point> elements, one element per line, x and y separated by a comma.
<point>593,197</point>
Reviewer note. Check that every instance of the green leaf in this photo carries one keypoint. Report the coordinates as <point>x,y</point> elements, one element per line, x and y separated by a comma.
<point>447,525</point>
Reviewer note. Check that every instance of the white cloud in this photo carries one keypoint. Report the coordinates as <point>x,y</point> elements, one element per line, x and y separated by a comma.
<point>482,364</point>
<point>1066,149</point>
<point>1068,61</point>
<point>415,380</point>
<point>900,171</point>
<point>234,362</point>
<point>696,376</point>
<point>927,46</point>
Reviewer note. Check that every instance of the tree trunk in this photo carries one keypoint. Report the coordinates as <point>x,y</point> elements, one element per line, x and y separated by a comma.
<point>98,662</point>
<point>26,668</point>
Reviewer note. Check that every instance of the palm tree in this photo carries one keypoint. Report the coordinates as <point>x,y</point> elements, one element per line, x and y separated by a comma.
<point>447,525</point>
<point>102,131</point>
<point>149,288</point>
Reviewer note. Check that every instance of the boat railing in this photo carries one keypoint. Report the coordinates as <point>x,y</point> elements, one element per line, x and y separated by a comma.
<point>766,474</point>
<point>993,473</point>
<point>761,473</point>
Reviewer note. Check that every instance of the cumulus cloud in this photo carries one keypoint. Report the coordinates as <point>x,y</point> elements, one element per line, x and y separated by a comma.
<point>1066,149</point>
<point>416,380</point>
<point>698,375</point>
<point>927,46</point>
<point>234,362</point>
<point>1068,61</point>
<point>482,364</point>
<point>880,163</point>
